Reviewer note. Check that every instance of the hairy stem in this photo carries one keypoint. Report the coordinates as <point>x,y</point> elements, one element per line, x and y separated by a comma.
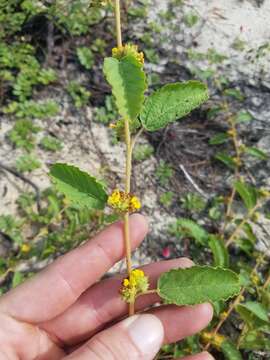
<point>128,160</point>
<point>118,23</point>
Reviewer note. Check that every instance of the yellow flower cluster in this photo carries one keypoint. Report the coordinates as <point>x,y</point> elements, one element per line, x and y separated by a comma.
<point>136,283</point>
<point>120,52</point>
<point>124,202</point>
<point>215,339</point>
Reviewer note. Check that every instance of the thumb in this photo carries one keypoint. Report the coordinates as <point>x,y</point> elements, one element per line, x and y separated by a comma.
<point>136,338</point>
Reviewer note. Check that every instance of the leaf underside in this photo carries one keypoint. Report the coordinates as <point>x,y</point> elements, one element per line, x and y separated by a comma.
<point>197,285</point>
<point>78,186</point>
<point>172,102</point>
<point>128,83</point>
<point>219,250</point>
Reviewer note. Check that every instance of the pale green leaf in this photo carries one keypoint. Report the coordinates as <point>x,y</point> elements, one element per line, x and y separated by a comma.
<point>247,193</point>
<point>191,229</point>
<point>230,351</point>
<point>197,284</point>
<point>219,250</point>
<point>254,314</point>
<point>128,83</point>
<point>243,116</point>
<point>78,186</point>
<point>172,102</point>
<point>219,138</point>
<point>257,153</point>
<point>226,159</point>
<point>255,340</point>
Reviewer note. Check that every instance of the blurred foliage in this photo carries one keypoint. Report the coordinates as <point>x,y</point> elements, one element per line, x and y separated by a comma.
<point>29,72</point>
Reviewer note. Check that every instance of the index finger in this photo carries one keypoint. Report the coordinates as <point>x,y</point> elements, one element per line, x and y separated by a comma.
<point>54,289</point>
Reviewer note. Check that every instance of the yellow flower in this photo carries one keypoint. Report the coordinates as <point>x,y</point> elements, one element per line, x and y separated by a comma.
<point>135,203</point>
<point>25,248</point>
<point>128,49</point>
<point>123,202</point>
<point>137,283</point>
<point>215,339</point>
<point>114,198</point>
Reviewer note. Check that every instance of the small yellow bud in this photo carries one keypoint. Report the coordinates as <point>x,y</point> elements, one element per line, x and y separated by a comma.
<point>223,315</point>
<point>25,248</point>
<point>112,126</point>
<point>231,132</point>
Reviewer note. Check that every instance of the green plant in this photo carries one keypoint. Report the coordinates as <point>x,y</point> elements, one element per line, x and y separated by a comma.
<point>166,198</point>
<point>22,134</point>
<point>193,202</point>
<point>27,163</point>
<point>143,152</point>
<point>78,93</point>
<point>124,72</point>
<point>85,56</point>
<point>164,173</point>
<point>50,143</point>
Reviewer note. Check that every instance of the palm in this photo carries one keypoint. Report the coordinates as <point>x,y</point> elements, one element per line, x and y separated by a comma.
<point>63,307</point>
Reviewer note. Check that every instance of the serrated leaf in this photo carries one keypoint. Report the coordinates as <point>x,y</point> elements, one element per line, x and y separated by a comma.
<point>226,159</point>
<point>197,284</point>
<point>230,351</point>
<point>247,193</point>
<point>218,139</point>
<point>257,153</point>
<point>172,102</point>
<point>254,314</point>
<point>78,186</point>
<point>219,250</point>
<point>191,229</point>
<point>128,83</point>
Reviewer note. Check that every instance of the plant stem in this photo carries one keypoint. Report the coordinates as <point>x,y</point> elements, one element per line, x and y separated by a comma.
<point>242,223</point>
<point>118,23</point>
<point>128,160</point>
<point>238,299</point>
<point>126,216</point>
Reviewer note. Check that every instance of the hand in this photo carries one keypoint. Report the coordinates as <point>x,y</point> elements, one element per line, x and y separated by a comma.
<point>64,313</point>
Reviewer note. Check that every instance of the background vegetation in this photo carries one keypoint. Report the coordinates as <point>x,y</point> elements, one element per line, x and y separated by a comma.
<point>208,190</point>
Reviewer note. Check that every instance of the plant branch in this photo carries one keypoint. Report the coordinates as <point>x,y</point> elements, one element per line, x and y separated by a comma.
<point>242,223</point>
<point>238,299</point>
<point>128,160</point>
<point>118,23</point>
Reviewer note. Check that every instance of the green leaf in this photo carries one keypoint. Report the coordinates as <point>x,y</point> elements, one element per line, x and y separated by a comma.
<point>255,340</point>
<point>247,193</point>
<point>219,250</point>
<point>78,186</point>
<point>243,116</point>
<point>254,314</point>
<point>226,159</point>
<point>86,57</point>
<point>172,102</point>
<point>191,229</point>
<point>218,139</point>
<point>230,351</point>
<point>197,285</point>
<point>235,93</point>
<point>257,153</point>
<point>128,83</point>
<point>17,279</point>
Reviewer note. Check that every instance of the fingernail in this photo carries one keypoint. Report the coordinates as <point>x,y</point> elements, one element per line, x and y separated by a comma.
<point>146,332</point>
